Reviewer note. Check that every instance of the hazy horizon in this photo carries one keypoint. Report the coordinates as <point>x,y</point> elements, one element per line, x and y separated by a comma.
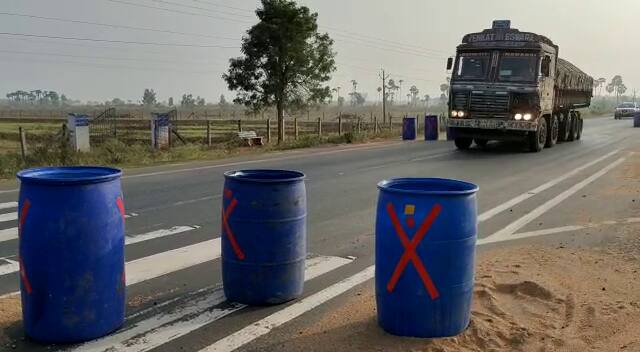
<point>411,39</point>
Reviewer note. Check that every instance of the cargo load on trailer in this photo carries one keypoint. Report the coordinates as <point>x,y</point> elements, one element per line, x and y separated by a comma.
<point>511,85</point>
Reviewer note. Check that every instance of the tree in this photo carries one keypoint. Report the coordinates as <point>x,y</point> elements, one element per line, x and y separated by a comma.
<point>149,97</point>
<point>616,86</point>
<point>286,61</point>
<point>444,88</point>
<point>426,99</point>
<point>414,91</point>
<point>117,101</point>
<point>188,100</point>
<point>170,101</point>
<point>63,99</point>
<point>222,101</point>
<point>200,101</point>
<point>340,101</point>
<point>400,88</point>
<point>392,87</point>
<point>357,99</point>
<point>379,90</point>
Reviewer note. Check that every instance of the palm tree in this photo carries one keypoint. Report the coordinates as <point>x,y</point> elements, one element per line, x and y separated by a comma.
<point>379,93</point>
<point>400,88</point>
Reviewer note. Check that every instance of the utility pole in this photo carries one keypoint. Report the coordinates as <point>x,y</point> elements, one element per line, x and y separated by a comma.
<point>384,96</point>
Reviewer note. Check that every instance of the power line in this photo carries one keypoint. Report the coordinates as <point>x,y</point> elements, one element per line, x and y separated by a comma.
<point>354,36</point>
<point>117,41</point>
<point>200,8</point>
<point>223,6</point>
<point>147,29</point>
<point>40,53</point>
<point>177,11</point>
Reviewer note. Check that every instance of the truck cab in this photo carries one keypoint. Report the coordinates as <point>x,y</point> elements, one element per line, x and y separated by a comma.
<point>503,87</point>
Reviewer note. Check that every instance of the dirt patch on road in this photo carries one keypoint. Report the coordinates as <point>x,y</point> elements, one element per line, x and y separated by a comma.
<point>10,315</point>
<point>525,299</point>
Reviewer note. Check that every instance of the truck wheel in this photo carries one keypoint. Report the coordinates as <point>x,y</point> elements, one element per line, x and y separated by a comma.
<point>552,132</point>
<point>463,143</point>
<point>482,143</point>
<point>538,139</point>
<point>580,122</point>
<point>565,128</point>
<point>573,130</point>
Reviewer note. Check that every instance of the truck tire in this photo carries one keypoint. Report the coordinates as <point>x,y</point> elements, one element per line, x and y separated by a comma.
<point>573,130</point>
<point>463,143</point>
<point>552,131</point>
<point>538,139</point>
<point>580,123</point>
<point>482,143</point>
<point>565,128</point>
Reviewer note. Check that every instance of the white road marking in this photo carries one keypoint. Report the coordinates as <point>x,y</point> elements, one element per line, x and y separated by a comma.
<point>131,215</point>
<point>510,229</point>
<point>11,267</point>
<point>264,326</point>
<point>8,216</point>
<point>561,229</point>
<point>156,265</point>
<point>162,328</point>
<point>8,234</point>
<point>521,198</point>
<point>295,156</point>
<point>158,234</point>
<point>428,157</point>
<point>8,205</point>
<point>167,262</point>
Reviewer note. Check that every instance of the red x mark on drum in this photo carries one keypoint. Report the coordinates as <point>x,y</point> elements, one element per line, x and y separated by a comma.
<point>410,250</point>
<point>226,213</point>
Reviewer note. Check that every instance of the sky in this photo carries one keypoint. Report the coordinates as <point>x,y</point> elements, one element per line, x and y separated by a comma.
<point>186,44</point>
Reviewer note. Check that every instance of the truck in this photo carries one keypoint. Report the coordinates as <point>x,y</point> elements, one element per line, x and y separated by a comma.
<point>509,85</point>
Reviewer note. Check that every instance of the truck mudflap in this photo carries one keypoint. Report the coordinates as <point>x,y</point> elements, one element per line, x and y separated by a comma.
<point>494,124</point>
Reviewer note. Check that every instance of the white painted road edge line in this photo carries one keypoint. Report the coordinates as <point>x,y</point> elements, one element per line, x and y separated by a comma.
<point>510,229</point>
<point>8,205</point>
<point>521,198</point>
<point>561,229</point>
<point>288,157</point>
<point>9,216</point>
<point>158,234</point>
<point>264,326</point>
<point>164,327</point>
<point>12,266</point>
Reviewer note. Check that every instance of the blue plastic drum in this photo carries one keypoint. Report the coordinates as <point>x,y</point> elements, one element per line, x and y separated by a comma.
<point>431,128</point>
<point>425,252</point>
<point>72,279</point>
<point>264,236</point>
<point>636,119</point>
<point>409,128</point>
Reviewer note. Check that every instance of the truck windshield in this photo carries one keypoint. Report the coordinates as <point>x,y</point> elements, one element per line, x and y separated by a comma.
<point>518,68</point>
<point>474,66</point>
<point>627,105</point>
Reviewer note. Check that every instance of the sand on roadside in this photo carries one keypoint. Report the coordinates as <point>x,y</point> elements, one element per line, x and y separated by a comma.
<point>525,299</point>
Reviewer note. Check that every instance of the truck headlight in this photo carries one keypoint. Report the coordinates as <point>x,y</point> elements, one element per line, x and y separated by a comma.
<point>527,117</point>
<point>518,117</point>
<point>454,113</point>
<point>461,114</point>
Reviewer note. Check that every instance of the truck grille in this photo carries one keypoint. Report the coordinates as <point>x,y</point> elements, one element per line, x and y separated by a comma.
<point>460,100</point>
<point>489,105</point>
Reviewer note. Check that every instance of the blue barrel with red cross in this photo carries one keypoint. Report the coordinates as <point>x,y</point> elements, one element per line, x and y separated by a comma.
<point>264,236</point>
<point>71,228</point>
<point>425,251</point>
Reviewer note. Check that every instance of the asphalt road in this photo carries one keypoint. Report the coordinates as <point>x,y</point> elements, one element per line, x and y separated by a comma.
<point>174,298</point>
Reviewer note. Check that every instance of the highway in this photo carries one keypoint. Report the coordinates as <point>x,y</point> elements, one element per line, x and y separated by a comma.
<point>173,225</point>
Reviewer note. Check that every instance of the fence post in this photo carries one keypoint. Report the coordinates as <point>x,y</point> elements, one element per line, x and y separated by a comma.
<point>340,124</point>
<point>320,126</point>
<point>268,130</point>
<point>375,124</point>
<point>308,117</point>
<point>323,115</point>
<point>358,127</point>
<point>295,127</point>
<point>209,133</point>
<point>390,122</point>
<point>239,125</point>
<point>23,143</point>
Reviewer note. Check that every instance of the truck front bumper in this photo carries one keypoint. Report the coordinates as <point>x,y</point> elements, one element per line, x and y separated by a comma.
<point>493,124</point>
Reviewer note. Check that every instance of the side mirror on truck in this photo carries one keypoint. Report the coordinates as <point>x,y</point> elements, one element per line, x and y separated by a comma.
<point>449,63</point>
